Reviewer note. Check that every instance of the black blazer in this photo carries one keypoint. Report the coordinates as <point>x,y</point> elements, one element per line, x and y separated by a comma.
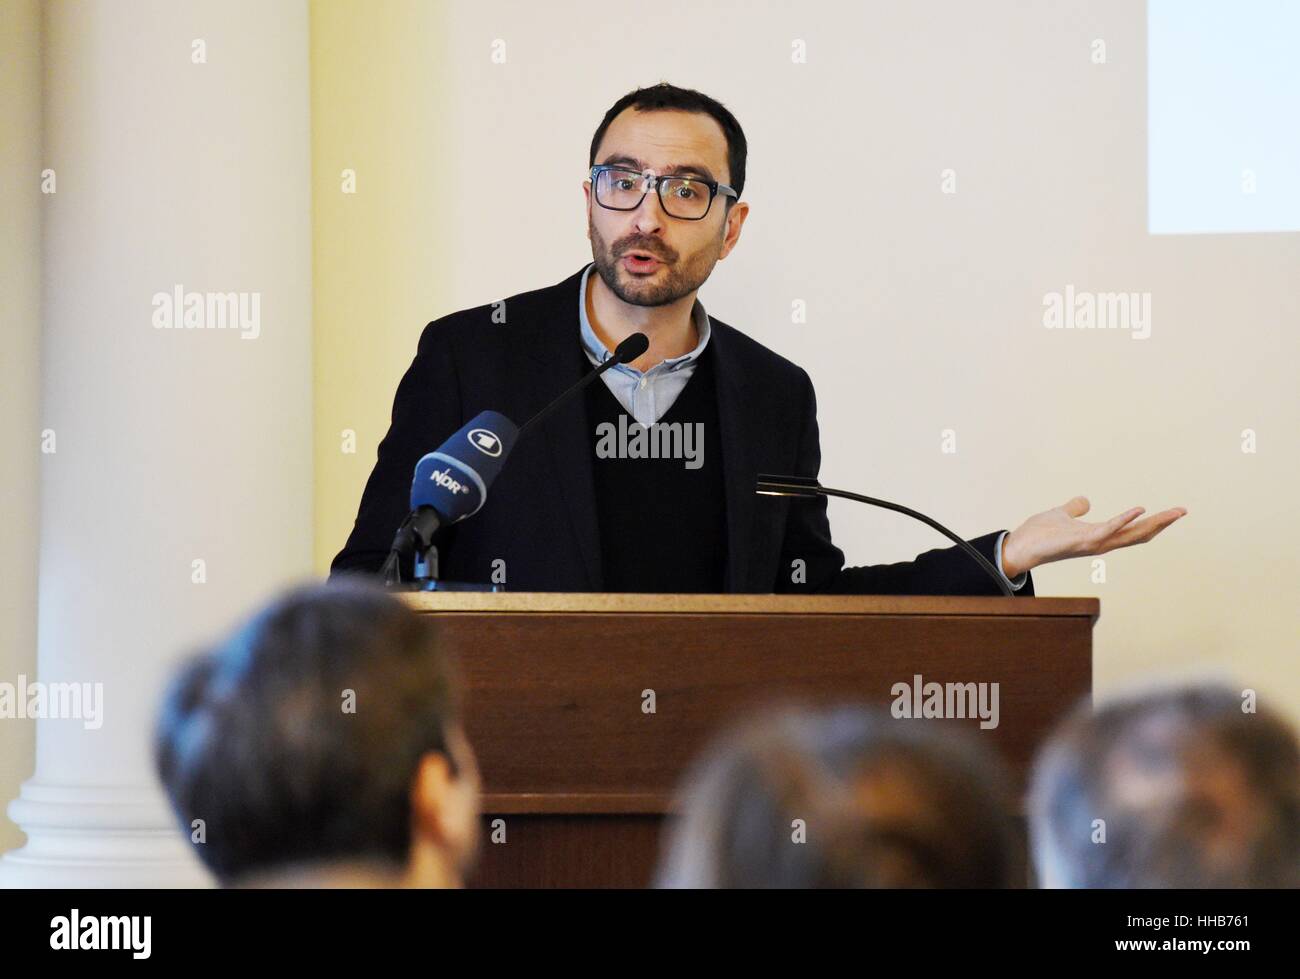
<point>540,516</point>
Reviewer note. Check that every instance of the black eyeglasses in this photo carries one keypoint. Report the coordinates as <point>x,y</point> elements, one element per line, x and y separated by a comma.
<point>688,198</point>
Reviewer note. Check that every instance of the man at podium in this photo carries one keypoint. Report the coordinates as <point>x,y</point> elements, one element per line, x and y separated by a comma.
<point>646,482</point>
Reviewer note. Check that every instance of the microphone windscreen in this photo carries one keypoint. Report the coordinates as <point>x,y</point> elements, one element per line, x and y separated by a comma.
<point>631,348</point>
<point>454,480</point>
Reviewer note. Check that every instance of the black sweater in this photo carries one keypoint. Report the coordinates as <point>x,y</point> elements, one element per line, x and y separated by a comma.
<point>662,524</point>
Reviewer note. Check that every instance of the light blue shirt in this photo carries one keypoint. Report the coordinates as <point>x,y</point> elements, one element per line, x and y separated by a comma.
<point>646,396</point>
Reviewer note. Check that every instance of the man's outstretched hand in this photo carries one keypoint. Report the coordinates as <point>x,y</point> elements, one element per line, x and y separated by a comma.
<point>1056,534</point>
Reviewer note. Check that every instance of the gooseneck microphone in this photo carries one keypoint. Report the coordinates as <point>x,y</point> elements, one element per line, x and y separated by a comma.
<point>802,486</point>
<point>451,483</point>
<point>629,350</point>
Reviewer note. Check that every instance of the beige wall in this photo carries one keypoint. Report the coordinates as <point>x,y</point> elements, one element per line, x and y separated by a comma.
<point>924,308</point>
<point>385,255</point>
<point>20,329</point>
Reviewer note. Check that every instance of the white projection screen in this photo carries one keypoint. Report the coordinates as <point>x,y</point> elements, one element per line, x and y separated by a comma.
<point>1223,106</point>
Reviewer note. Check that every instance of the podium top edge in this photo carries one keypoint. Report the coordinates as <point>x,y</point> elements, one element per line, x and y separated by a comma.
<point>623,603</point>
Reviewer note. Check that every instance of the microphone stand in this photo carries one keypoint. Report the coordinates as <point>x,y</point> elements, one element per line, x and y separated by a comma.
<point>424,566</point>
<point>626,352</point>
<point>802,486</point>
<point>410,537</point>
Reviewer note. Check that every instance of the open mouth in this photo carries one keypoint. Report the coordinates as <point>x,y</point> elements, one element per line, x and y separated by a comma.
<point>640,262</point>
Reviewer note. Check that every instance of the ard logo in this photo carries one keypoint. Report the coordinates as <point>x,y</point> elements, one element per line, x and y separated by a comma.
<point>485,441</point>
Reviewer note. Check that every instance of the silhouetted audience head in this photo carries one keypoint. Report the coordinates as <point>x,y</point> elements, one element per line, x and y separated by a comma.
<point>320,745</point>
<point>1173,788</point>
<point>844,798</point>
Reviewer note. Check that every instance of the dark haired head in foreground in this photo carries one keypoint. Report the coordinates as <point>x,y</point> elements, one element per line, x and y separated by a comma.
<point>1176,788</point>
<point>844,798</point>
<point>320,745</point>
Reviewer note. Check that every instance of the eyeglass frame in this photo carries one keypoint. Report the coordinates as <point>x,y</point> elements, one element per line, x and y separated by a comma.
<point>653,181</point>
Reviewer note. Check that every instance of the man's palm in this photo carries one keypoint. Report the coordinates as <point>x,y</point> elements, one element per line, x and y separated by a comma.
<point>1058,533</point>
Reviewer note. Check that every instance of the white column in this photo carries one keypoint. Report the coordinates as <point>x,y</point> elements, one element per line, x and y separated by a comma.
<point>179,492</point>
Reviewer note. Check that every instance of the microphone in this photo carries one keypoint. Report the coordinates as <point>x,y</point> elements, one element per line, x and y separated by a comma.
<point>452,482</point>
<point>803,486</point>
<point>629,350</point>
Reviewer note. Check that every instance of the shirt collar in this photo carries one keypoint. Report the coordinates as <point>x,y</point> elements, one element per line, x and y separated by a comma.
<point>598,353</point>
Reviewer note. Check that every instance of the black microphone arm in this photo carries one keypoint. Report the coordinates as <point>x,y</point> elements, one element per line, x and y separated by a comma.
<point>626,352</point>
<point>802,486</point>
<point>417,530</point>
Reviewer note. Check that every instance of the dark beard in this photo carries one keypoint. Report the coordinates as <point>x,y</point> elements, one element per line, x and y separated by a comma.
<point>668,288</point>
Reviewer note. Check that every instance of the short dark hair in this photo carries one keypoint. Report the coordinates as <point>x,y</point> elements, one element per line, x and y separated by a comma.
<point>1192,791</point>
<point>253,737</point>
<point>884,803</point>
<point>665,96</point>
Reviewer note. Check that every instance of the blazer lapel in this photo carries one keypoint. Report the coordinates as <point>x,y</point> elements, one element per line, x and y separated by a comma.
<point>554,363</point>
<point>739,474</point>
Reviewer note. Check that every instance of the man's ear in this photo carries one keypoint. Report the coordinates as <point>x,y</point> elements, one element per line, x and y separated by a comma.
<point>445,806</point>
<point>431,794</point>
<point>731,227</point>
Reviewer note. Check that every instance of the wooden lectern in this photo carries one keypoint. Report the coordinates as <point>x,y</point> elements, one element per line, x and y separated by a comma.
<point>559,688</point>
